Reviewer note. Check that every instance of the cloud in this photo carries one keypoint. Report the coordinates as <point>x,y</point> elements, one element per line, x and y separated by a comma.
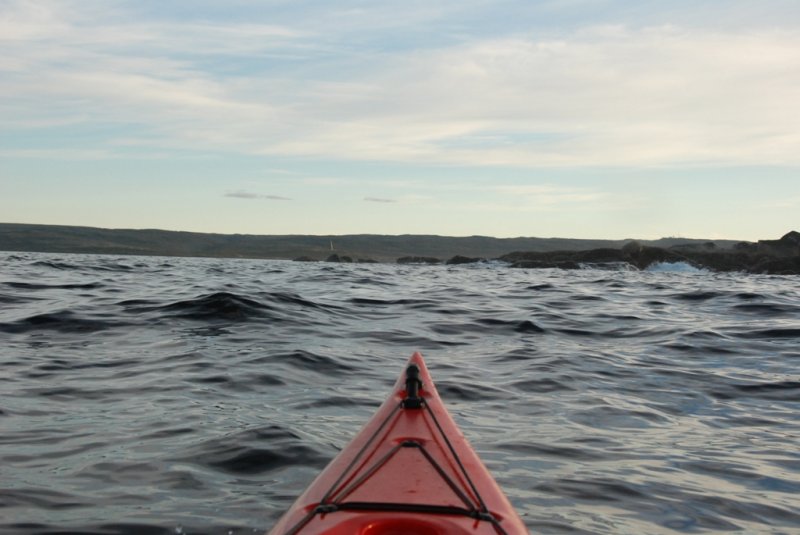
<point>379,200</point>
<point>549,195</point>
<point>602,96</point>
<point>529,198</point>
<point>591,96</point>
<point>57,154</point>
<point>240,194</point>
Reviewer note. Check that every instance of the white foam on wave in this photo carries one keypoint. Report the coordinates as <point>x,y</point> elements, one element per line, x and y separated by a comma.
<point>674,267</point>
<point>608,266</point>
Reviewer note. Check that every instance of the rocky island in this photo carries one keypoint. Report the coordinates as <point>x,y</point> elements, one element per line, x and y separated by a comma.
<point>765,256</point>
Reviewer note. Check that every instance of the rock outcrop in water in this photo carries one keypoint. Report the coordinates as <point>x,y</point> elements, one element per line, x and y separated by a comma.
<point>766,256</point>
<point>458,259</point>
<point>340,259</point>
<point>418,260</point>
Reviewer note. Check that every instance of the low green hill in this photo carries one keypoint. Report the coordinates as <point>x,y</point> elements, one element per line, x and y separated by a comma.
<point>69,239</point>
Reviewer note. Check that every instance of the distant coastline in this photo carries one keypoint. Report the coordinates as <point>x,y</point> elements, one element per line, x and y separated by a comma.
<point>382,248</point>
<point>765,256</point>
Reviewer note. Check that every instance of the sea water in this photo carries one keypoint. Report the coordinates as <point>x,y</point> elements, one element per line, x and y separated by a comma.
<point>163,395</point>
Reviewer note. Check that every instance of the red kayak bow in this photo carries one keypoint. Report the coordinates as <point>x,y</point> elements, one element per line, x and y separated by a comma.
<point>409,470</point>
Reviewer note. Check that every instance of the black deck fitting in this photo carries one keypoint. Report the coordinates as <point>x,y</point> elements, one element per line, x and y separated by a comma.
<point>325,508</point>
<point>413,384</point>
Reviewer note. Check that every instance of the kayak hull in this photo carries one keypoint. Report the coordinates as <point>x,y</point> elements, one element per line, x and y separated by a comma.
<point>409,470</point>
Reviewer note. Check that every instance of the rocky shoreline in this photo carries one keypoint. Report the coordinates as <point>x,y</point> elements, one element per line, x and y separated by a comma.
<point>778,257</point>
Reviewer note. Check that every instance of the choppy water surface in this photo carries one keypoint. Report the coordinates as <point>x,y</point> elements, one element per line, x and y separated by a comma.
<point>165,395</point>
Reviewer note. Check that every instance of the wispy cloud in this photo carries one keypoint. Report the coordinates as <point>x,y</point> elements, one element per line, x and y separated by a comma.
<point>547,194</point>
<point>602,96</point>
<point>57,154</point>
<point>241,194</point>
<point>379,200</point>
<point>594,96</point>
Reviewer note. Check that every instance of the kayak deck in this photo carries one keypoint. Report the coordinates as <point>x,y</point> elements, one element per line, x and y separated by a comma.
<point>409,470</point>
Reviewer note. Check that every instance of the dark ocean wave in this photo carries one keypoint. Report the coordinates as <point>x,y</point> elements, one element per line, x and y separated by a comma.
<point>217,305</point>
<point>226,306</point>
<point>543,385</point>
<point>770,309</point>
<point>780,390</point>
<point>35,286</point>
<point>255,451</point>
<point>307,361</point>
<point>492,325</point>
<point>108,265</point>
<point>155,395</point>
<point>53,264</point>
<point>64,321</point>
<point>11,299</point>
<point>771,334</point>
<point>698,295</point>
<point>406,303</point>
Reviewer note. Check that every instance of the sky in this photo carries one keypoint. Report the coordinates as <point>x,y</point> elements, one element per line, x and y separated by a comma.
<point>569,118</point>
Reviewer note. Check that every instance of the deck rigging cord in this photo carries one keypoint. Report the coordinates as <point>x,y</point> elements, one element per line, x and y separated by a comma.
<point>332,501</point>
